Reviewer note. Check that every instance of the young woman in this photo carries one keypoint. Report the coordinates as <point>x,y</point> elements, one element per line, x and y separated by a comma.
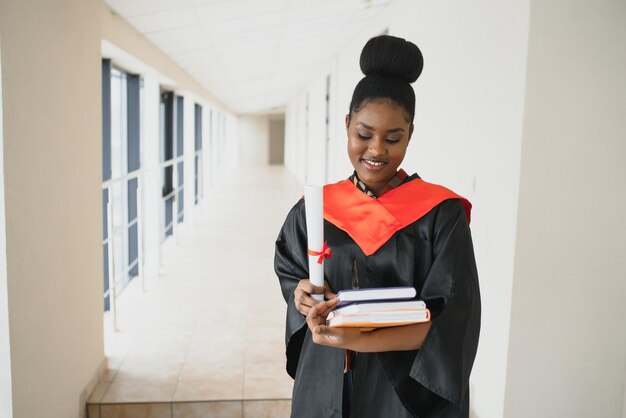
<point>385,228</point>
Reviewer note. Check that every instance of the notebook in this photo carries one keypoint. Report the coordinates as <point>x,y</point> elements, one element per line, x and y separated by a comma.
<point>375,294</point>
<point>372,320</point>
<point>364,307</point>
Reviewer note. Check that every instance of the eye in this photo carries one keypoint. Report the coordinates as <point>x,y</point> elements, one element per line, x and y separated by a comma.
<point>363,136</point>
<point>392,140</point>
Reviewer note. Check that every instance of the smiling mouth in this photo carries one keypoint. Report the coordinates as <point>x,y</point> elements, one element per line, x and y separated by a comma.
<point>373,164</point>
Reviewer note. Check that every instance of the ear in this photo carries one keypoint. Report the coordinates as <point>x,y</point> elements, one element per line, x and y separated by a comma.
<point>411,132</point>
<point>348,124</point>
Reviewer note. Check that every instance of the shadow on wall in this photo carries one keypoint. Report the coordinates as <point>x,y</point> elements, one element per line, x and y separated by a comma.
<point>277,140</point>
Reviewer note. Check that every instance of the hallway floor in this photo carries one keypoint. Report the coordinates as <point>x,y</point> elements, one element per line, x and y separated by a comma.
<point>206,337</point>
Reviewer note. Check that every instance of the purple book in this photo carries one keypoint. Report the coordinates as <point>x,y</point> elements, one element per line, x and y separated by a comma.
<point>375,294</point>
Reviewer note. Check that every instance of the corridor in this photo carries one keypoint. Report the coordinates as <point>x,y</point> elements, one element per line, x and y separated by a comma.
<point>151,149</point>
<point>206,337</point>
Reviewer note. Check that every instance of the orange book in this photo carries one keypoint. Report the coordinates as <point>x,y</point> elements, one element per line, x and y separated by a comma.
<point>373,320</point>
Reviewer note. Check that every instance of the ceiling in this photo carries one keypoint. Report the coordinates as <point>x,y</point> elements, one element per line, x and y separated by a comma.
<point>254,55</point>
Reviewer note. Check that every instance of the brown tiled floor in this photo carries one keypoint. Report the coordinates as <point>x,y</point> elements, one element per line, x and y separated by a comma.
<point>205,338</point>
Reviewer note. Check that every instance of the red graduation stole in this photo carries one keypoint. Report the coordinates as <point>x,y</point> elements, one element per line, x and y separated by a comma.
<point>371,222</point>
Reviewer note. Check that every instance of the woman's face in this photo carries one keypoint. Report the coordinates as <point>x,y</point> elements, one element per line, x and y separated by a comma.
<point>378,136</point>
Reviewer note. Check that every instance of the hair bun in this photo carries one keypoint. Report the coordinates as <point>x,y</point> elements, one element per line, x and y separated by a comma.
<point>392,57</point>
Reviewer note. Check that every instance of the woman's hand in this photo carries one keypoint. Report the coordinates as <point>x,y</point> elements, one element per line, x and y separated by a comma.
<point>302,295</point>
<point>400,338</point>
<point>333,337</point>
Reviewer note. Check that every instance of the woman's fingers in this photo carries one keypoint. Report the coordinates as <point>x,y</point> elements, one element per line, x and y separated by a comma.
<point>325,335</point>
<point>307,286</point>
<point>322,330</point>
<point>304,301</point>
<point>318,313</point>
<point>328,306</point>
<point>336,337</point>
<point>302,295</point>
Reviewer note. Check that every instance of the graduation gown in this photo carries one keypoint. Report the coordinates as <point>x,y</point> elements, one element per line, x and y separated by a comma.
<point>414,235</point>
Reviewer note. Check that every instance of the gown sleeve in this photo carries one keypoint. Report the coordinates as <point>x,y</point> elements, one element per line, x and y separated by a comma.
<point>444,362</point>
<point>291,265</point>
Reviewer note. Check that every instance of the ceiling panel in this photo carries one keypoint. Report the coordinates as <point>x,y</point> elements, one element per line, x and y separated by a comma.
<point>132,8</point>
<point>244,24</point>
<point>236,9</point>
<point>259,35</point>
<point>253,55</point>
<point>164,20</point>
<point>170,36</point>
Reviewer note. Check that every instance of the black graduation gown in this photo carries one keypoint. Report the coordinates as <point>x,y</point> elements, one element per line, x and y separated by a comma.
<point>435,255</point>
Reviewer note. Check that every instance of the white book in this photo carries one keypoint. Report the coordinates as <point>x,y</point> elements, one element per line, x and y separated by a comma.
<point>378,307</point>
<point>372,320</point>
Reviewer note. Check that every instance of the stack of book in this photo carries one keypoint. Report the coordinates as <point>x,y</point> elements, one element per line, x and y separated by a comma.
<point>378,307</point>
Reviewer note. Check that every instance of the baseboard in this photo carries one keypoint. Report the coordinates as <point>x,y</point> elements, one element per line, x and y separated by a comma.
<point>91,385</point>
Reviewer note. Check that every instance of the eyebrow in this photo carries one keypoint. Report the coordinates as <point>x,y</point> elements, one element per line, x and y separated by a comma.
<point>388,131</point>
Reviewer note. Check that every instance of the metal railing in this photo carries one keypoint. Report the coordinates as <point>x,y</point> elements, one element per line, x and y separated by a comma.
<point>110,241</point>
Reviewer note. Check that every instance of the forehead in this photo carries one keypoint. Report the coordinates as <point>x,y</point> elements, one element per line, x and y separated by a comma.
<point>381,114</point>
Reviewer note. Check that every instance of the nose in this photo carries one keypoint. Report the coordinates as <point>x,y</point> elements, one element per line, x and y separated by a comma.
<point>377,147</point>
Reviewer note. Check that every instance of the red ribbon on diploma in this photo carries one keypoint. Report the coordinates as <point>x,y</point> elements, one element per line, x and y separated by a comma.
<point>325,253</point>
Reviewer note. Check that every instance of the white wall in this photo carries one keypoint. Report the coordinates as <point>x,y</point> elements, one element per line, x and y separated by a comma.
<point>228,144</point>
<point>467,136</point>
<point>254,140</point>
<point>6,397</point>
<point>315,145</point>
<point>52,177</point>
<point>567,353</point>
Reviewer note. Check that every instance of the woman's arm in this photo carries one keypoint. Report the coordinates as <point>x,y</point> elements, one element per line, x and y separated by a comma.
<point>402,338</point>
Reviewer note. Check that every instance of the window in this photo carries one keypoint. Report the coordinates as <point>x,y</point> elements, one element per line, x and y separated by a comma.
<point>167,161</point>
<point>121,109</point>
<point>180,148</point>
<point>197,167</point>
<point>172,163</point>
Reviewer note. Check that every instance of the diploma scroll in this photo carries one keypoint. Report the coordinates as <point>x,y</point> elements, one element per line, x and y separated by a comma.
<point>314,208</point>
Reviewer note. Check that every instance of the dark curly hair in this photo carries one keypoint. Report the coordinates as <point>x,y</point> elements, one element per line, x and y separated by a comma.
<point>390,65</point>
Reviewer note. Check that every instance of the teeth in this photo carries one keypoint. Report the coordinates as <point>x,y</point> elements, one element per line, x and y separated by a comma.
<point>374,163</point>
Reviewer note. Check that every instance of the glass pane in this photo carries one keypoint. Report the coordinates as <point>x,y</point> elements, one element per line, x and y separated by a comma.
<point>167,180</point>
<point>132,118</point>
<point>167,121</point>
<point>180,172</point>
<point>118,123</point>
<point>106,119</point>
<point>169,216</point>
<point>198,126</point>
<point>132,244</point>
<point>105,225</point>
<point>132,199</point>
<point>179,126</point>
<point>181,205</point>
<point>162,125</point>
<point>119,229</point>
<point>134,271</point>
<point>105,257</point>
